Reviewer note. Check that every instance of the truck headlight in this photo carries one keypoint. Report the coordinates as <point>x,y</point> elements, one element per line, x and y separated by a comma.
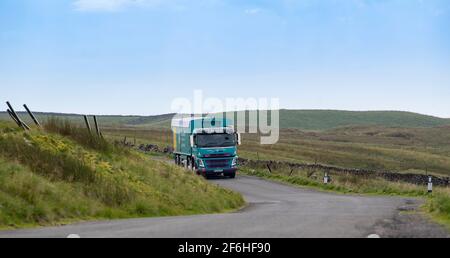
<point>234,162</point>
<point>200,163</point>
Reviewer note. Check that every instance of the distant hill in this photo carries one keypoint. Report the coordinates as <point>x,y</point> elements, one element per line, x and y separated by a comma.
<point>106,120</point>
<point>298,119</point>
<point>327,119</point>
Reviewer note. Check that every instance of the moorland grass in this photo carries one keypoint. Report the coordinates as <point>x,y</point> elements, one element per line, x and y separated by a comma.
<point>424,150</point>
<point>55,175</point>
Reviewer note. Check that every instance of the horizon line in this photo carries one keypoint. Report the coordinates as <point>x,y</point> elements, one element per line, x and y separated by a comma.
<point>281,109</point>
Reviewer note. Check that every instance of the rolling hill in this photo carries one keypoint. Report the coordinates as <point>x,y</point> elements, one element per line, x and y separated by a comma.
<point>328,119</point>
<point>297,119</point>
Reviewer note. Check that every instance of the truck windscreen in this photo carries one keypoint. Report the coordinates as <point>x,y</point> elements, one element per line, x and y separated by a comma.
<point>215,140</point>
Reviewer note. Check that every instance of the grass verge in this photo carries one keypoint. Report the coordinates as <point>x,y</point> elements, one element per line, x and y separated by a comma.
<point>63,174</point>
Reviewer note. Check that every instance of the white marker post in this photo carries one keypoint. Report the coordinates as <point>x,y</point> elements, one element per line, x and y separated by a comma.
<point>430,184</point>
<point>326,179</point>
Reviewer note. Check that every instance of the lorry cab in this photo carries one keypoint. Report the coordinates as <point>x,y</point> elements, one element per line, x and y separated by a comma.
<point>206,145</point>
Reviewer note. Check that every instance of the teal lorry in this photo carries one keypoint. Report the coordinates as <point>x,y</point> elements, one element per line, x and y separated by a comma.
<point>206,145</point>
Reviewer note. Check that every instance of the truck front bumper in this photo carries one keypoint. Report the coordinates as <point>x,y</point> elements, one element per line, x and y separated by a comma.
<point>216,172</point>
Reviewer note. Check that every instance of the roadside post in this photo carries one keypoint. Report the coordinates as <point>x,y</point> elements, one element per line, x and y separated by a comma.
<point>430,184</point>
<point>326,178</point>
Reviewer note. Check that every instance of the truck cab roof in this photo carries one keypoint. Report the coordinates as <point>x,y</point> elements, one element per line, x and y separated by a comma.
<point>207,124</point>
<point>215,130</point>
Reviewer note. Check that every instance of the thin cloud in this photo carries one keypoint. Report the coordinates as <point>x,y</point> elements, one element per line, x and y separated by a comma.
<point>253,11</point>
<point>117,5</point>
<point>111,5</point>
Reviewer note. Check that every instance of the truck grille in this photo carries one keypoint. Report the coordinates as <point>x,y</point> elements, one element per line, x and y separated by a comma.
<point>218,163</point>
<point>218,155</point>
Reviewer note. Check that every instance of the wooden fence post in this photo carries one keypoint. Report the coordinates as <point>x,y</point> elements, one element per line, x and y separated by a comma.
<point>13,118</point>
<point>292,171</point>
<point>97,129</point>
<point>32,116</point>
<point>268,167</point>
<point>17,118</point>
<point>88,126</point>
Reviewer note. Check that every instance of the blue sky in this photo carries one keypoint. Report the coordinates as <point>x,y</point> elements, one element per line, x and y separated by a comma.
<point>134,57</point>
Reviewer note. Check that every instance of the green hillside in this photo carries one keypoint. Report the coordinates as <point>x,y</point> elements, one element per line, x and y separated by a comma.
<point>298,119</point>
<point>327,119</point>
<point>62,174</point>
<point>76,118</point>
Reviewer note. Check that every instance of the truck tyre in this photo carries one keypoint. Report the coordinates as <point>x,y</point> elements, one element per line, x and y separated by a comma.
<point>188,163</point>
<point>192,164</point>
<point>232,175</point>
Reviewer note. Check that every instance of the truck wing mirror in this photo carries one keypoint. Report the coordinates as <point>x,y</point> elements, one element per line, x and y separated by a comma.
<point>239,140</point>
<point>191,138</point>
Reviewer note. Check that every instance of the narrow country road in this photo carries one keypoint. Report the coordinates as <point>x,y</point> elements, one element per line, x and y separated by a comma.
<point>274,210</point>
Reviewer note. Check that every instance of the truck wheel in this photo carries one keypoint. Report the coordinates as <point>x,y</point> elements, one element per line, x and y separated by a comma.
<point>188,163</point>
<point>232,175</point>
<point>192,164</point>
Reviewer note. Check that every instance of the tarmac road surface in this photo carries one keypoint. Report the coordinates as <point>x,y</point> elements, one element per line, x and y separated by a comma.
<point>273,210</point>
